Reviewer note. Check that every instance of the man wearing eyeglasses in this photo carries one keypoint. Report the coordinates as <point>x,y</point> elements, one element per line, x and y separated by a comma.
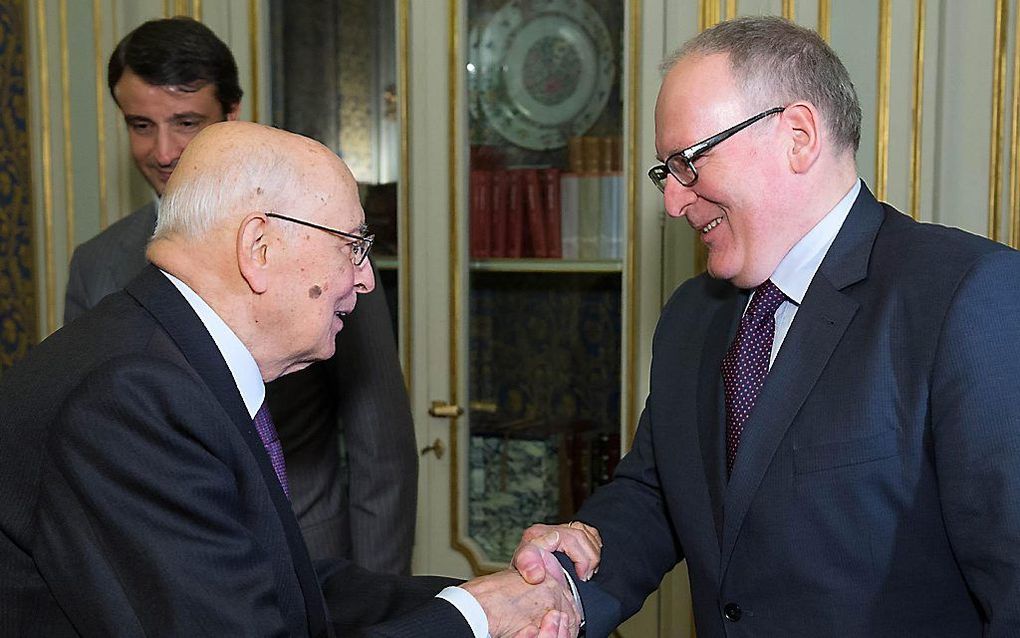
<point>832,435</point>
<point>145,491</point>
<point>171,78</point>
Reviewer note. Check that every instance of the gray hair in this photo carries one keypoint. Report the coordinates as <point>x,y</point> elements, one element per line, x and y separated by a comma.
<point>259,181</point>
<point>776,62</point>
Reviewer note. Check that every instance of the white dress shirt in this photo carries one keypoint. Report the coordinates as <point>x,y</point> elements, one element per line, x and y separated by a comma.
<point>794,273</point>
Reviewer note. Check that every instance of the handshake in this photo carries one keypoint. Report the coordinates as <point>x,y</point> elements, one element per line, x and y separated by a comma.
<point>534,598</point>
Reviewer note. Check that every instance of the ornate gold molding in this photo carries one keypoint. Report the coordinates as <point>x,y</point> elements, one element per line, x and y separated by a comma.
<point>789,10</point>
<point>47,167</point>
<point>824,19</point>
<point>630,407</point>
<point>1014,147</point>
<point>456,282</point>
<point>708,13</point>
<point>253,43</point>
<point>998,115</point>
<point>97,39</point>
<point>65,93</point>
<point>403,191</point>
<point>918,130</point>
<point>882,99</point>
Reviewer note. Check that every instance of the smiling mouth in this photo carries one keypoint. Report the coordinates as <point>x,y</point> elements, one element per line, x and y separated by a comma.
<point>710,225</point>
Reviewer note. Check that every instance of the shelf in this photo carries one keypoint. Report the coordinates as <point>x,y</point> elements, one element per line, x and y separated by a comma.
<point>547,265</point>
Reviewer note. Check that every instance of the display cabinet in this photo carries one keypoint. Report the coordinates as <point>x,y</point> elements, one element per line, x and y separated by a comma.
<point>545,243</point>
<point>536,264</point>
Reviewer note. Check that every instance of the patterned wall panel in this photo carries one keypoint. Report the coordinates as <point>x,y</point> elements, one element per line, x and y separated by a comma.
<point>17,287</point>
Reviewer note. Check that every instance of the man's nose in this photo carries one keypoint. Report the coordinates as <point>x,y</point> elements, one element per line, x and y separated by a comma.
<point>364,277</point>
<point>168,148</point>
<point>677,197</point>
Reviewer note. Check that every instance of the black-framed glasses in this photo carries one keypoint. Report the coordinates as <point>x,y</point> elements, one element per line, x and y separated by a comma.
<point>681,164</point>
<point>360,244</point>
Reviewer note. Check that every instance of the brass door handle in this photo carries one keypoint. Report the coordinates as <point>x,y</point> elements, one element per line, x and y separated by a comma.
<point>445,410</point>
<point>436,447</point>
<point>488,407</point>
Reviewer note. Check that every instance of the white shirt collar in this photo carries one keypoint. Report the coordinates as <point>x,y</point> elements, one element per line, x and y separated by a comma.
<point>240,362</point>
<point>798,268</point>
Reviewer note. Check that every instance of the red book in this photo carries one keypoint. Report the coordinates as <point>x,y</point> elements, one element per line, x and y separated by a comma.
<point>481,212</point>
<point>553,207</point>
<point>515,216</point>
<point>500,206</point>
<point>535,214</point>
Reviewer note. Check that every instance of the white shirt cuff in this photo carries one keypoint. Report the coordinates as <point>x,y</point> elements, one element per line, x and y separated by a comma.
<point>469,608</point>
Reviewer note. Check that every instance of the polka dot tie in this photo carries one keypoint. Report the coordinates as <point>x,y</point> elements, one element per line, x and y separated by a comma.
<point>747,363</point>
<point>271,441</point>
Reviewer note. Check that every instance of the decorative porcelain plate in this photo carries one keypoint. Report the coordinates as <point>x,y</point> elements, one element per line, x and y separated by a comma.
<point>542,71</point>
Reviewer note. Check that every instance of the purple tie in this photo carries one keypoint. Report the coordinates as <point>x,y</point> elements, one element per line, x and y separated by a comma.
<point>747,362</point>
<point>271,441</point>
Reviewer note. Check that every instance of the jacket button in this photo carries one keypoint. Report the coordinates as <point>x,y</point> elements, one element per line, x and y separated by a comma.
<point>732,612</point>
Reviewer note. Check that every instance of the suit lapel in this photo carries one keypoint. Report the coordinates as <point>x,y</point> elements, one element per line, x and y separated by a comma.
<point>711,401</point>
<point>155,292</point>
<point>817,329</point>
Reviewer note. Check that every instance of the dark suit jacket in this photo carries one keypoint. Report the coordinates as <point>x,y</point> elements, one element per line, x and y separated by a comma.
<point>136,497</point>
<point>364,511</point>
<point>877,488</point>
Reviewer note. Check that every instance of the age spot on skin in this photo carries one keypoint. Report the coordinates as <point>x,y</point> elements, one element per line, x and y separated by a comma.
<point>314,292</point>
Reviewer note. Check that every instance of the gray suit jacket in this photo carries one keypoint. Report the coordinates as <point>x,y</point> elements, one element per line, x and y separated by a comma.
<point>364,511</point>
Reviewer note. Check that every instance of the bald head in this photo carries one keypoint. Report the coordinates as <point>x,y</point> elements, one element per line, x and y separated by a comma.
<point>233,168</point>
<point>259,222</point>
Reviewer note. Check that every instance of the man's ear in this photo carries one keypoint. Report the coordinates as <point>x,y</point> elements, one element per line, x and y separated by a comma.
<point>253,252</point>
<point>805,128</point>
<point>233,112</point>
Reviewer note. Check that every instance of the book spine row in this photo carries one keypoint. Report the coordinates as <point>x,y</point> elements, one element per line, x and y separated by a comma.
<point>546,213</point>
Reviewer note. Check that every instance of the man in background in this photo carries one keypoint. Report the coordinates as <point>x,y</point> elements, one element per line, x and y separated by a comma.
<point>171,78</point>
<point>832,434</point>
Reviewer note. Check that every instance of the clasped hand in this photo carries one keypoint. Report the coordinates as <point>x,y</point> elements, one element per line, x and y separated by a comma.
<point>535,601</point>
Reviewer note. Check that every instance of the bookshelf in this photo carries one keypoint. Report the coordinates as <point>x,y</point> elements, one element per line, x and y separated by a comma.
<point>543,290</point>
<point>546,265</point>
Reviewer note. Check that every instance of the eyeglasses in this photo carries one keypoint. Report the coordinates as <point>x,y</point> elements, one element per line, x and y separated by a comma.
<point>360,244</point>
<point>681,164</point>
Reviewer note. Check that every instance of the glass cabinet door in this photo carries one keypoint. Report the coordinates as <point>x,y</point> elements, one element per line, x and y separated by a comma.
<point>334,70</point>
<point>545,243</point>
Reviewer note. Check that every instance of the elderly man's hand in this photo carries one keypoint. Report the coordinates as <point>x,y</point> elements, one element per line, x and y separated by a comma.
<point>578,541</point>
<point>515,608</point>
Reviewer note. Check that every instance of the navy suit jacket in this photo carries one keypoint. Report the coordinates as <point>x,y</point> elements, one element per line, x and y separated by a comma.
<point>364,511</point>
<point>136,498</point>
<point>877,488</point>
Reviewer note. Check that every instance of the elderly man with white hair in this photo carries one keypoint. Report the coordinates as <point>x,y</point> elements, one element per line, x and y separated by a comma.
<point>143,487</point>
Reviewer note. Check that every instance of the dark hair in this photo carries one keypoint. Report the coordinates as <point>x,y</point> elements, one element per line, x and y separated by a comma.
<point>777,62</point>
<point>178,52</point>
